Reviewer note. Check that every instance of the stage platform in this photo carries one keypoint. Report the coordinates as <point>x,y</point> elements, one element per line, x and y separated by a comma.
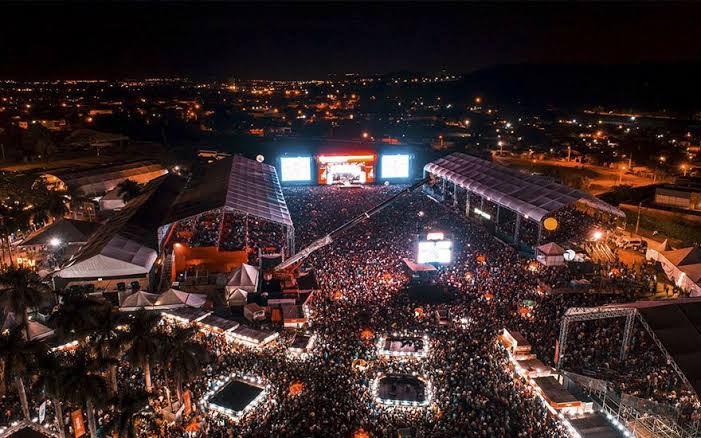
<point>429,294</point>
<point>235,397</point>
<point>402,390</point>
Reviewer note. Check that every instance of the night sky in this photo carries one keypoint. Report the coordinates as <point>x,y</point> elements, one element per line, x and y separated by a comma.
<point>307,41</point>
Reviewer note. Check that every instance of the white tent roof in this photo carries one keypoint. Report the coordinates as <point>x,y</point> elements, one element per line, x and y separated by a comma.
<point>551,249</point>
<point>244,277</point>
<point>38,331</point>
<point>534,196</point>
<point>176,298</point>
<point>237,296</point>
<point>138,300</point>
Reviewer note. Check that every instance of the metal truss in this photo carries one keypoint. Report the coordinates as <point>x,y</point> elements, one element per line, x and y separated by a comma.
<point>576,314</point>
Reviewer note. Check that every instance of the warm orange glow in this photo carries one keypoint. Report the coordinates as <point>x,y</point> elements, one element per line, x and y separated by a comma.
<point>360,433</point>
<point>366,334</point>
<point>296,388</point>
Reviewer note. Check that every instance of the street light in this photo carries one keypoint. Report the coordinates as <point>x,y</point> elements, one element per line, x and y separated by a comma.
<point>684,168</point>
<point>55,242</point>
<point>620,175</point>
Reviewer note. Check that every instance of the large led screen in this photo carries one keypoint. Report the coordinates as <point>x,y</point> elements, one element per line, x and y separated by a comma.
<point>295,169</point>
<point>435,251</point>
<point>346,169</point>
<point>395,166</point>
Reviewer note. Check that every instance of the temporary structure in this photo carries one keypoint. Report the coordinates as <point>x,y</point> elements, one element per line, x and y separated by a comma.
<point>173,298</point>
<point>244,277</point>
<point>237,297</point>
<point>682,266</point>
<point>550,254</point>
<point>138,300</point>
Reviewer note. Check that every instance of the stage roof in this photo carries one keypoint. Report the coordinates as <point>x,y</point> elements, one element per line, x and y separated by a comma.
<point>99,180</point>
<point>236,184</point>
<point>534,196</point>
<point>66,230</point>
<point>677,324</point>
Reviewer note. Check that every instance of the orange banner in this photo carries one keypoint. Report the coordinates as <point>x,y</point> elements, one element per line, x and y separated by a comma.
<point>187,400</point>
<point>78,424</point>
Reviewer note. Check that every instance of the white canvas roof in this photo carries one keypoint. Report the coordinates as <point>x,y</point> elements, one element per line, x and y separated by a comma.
<point>173,298</point>
<point>139,300</point>
<point>534,196</point>
<point>551,249</point>
<point>237,297</point>
<point>38,331</point>
<point>244,277</point>
<point>128,260</point>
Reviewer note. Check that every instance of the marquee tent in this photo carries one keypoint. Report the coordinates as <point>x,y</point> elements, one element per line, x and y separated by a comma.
<point>682,266</point>
<point>244,277</point>
<point>173,298</point>
<point>237,297</point>
<point>550,254</point>
<point>138,300</point>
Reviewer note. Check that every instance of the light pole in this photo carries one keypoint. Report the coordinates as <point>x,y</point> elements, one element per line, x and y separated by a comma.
<point>620,175</point>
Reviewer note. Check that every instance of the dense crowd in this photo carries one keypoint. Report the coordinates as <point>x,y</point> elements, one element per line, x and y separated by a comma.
<point>363,281</point>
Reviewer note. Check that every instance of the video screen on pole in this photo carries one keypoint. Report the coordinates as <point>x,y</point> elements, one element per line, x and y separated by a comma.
<point>295,169</point>
<point>395,166</point>
<point>435,251</point>
<point>346,169</point>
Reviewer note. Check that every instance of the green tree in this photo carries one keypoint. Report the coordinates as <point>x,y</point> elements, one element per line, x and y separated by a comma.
<point>37,139</point>
<point>184,355</point>
<point>105,343</point>
<point>128,189</point>
<point>142,343</point>
<point>12,220</point>
<point>126,405</point>
<point>79,315</point>
<point>85,386</point>
<point>19,358</point>
<point>21,290</point>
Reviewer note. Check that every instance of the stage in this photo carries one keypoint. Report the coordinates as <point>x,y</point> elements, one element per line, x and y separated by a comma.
<point>402,390</point>
<point>427,293</point>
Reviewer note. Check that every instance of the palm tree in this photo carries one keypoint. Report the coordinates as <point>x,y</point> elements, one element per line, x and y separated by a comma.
<point>79,315</point>
<point>52,378</point>
<point>106,345</point>
<point>143,346</point>
<point>19,357</point>
<point>182,354</point>
<point>127,405</point>
<point>12,220</point>
<point>21,290</point>
<point>85,386</point>
<point>128,189</point>
<point>48,204</point>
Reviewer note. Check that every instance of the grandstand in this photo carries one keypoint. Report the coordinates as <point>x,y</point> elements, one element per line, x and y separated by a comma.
<point>653,378</point>
<point>513,204</point>
<point>230,212</point>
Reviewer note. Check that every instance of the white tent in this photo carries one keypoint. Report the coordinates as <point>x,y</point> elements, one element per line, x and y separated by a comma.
<point>173,298</point>
<point>38,331</point>
<point>244,277</point>
<point>237,297</point>
<point>550,254</point>
<point>682,266</point>
<point>138,300</point>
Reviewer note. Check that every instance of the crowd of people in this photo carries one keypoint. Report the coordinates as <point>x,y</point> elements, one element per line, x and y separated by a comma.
<point>363,283</point>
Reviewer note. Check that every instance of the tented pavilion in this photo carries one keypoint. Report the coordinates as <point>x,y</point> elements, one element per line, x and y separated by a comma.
<point>682,266</point>
<point>122,254</point>
<point>217,221</point>
<point>514,205</point>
